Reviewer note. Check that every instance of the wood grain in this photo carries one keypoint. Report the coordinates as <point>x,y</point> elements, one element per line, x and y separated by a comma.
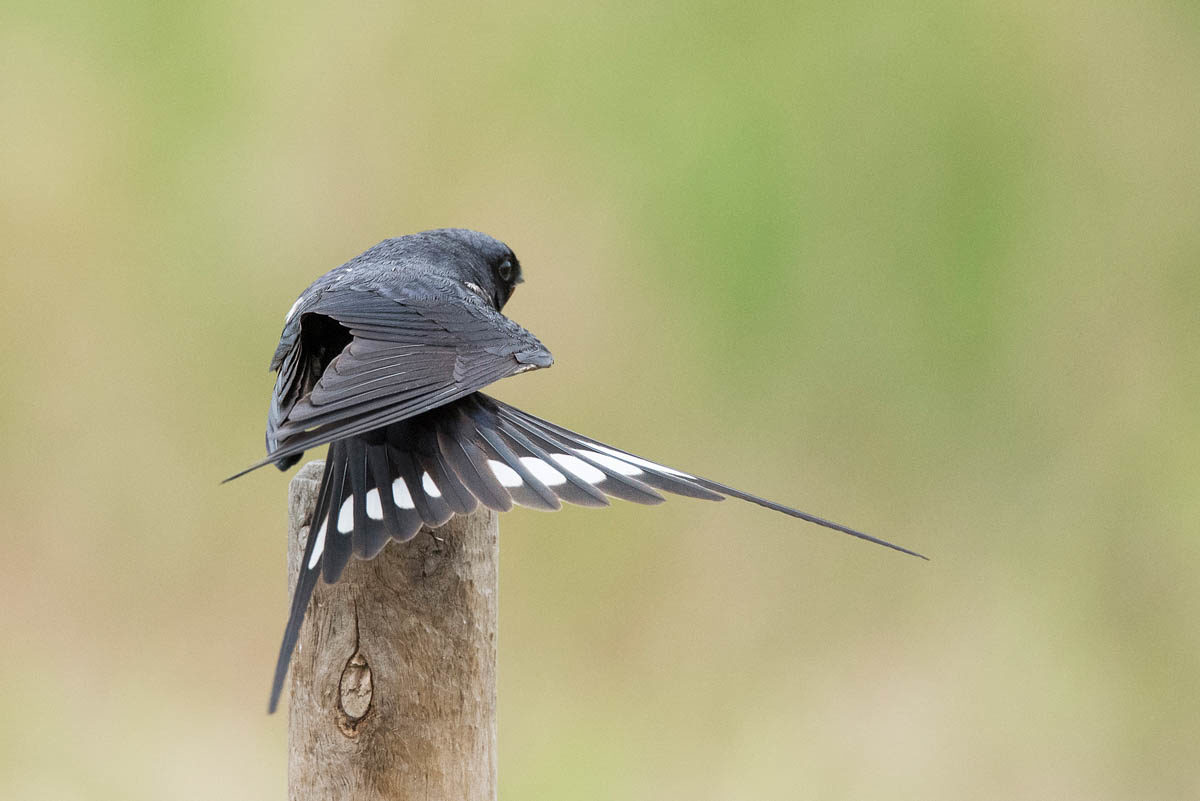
<point>393,685</point>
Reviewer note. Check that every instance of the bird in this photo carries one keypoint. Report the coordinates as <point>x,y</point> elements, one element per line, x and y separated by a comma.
<point>383,359</point>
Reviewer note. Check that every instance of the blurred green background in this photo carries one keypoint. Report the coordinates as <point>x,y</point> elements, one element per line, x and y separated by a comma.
<point>929,269</point>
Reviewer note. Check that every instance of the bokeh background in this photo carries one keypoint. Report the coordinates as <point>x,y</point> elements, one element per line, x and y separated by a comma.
<point>929,269</point>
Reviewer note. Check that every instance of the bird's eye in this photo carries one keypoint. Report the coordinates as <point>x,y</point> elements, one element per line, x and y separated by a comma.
<point>505,270</point>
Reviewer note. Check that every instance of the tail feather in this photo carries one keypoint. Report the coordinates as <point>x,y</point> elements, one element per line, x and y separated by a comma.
<point>615,482</point>
<point>386,483</point>
<point>432,509</point>
<point>525,488</point>
<point>469,462</point>
<point>568,484</point>
<point>338,542</point>
<point>399,522</point>
<point>442,479</point>
<point>306,582</point>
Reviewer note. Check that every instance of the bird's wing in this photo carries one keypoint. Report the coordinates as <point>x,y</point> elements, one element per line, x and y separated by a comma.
<point>405,356</point>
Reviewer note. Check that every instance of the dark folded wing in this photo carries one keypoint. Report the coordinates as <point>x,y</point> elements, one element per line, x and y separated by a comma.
<point>404,357</point>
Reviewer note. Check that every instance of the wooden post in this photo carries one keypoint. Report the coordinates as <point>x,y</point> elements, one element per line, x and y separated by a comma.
<point>393,688</point>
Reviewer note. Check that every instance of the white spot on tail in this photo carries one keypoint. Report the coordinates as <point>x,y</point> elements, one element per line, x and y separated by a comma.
<point>374,507</point>
<point>346,516</point>
<point>612,463</point>
<point>430,488</point>
<point>505,474</point>
<point>543,472</point>
<point>579,468</point>
<point>625,457</point>
<point>400,494</point>
<point>318,547</point>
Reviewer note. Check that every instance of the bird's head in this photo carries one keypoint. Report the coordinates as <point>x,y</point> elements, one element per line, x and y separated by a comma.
<point>486,266</point>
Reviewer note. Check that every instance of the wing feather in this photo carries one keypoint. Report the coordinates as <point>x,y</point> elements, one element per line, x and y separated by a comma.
<point>405,356</point>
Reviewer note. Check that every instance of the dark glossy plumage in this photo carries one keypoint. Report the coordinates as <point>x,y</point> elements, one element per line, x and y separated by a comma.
<point>383,359</point>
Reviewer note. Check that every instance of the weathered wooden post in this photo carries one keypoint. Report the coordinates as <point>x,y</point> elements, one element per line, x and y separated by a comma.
<point>393,688</point>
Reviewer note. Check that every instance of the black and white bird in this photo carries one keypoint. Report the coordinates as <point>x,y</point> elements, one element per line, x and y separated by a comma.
<point>383,359</point>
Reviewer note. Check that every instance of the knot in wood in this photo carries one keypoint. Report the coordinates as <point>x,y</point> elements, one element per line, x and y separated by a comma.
<point>355,692</point>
